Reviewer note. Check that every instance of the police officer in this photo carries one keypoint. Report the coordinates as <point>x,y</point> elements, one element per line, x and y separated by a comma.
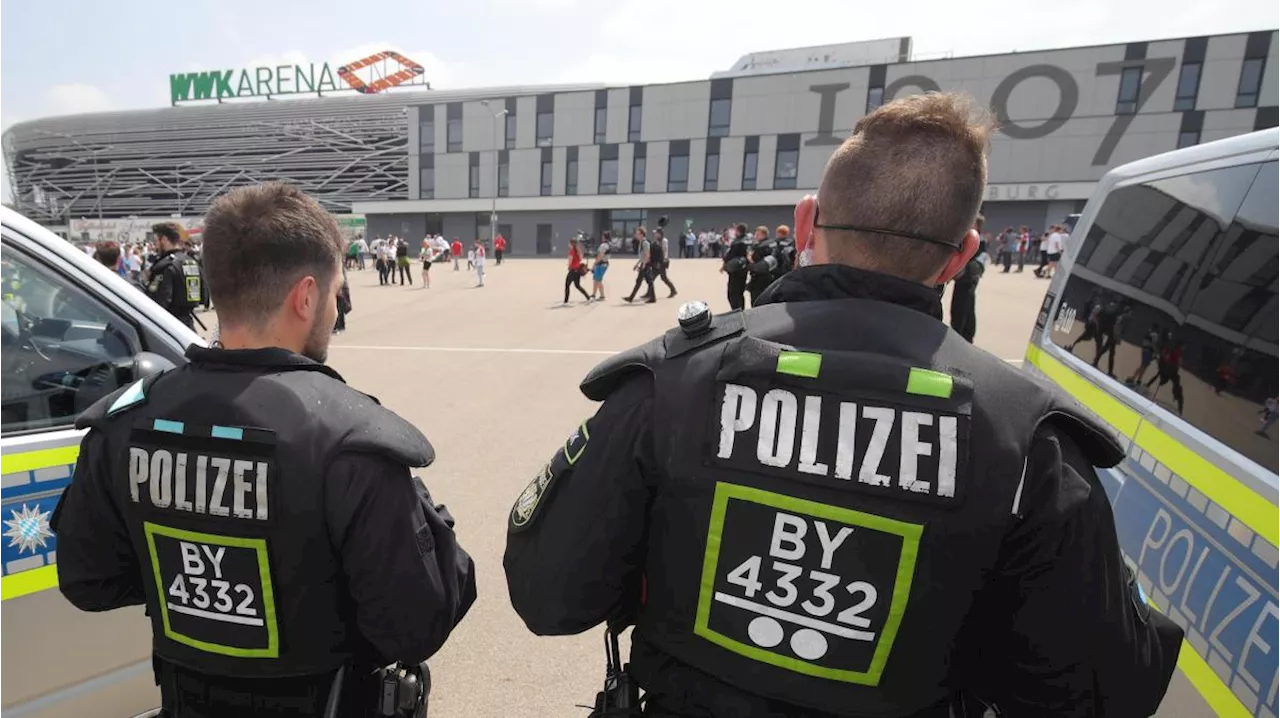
<point>262,510</point>
<point>831,504</point>
<point>735,265</point>
<point>964,293</point>
<point>763,262</point>
<point>785,251</point>
<point>176,282</point>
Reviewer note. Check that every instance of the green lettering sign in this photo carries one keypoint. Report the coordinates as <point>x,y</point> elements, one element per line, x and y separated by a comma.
<point>256,82</point>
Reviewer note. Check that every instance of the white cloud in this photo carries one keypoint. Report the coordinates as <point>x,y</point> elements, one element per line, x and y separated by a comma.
<point>76,98</point>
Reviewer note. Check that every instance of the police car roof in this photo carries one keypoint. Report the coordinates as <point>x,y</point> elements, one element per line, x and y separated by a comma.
<point>1240,145</point>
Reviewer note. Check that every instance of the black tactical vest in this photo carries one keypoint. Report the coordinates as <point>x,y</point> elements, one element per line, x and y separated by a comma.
<point>217,469</point>
<point>838,479</point>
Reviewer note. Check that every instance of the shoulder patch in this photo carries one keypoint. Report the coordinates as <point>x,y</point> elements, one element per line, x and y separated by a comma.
<point>606,376</point>
<point>525,510</point>
<point>134,394</point>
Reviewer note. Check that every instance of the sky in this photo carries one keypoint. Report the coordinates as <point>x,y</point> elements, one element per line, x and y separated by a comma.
<point>75,56</point>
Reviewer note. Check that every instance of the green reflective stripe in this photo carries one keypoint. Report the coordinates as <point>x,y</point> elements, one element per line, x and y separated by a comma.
<point>31,581</point>
<point>926,382</point>
<point>805,364</point>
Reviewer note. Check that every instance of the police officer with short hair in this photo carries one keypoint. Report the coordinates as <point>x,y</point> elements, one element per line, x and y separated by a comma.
<point>735,265</point>
<point>262,510</point>
<point>765,258</point>
<point>176,282</point>
<point>831,504</point>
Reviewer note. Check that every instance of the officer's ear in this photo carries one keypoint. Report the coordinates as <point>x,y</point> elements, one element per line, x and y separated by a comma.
<point>968,248</point>
<point>805,215</point>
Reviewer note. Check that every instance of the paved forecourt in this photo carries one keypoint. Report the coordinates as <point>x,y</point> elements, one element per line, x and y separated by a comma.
<point>490,375</point>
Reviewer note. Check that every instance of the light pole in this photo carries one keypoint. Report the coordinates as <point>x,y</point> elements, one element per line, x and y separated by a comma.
<point>96,180</point>
<point>497,145</point>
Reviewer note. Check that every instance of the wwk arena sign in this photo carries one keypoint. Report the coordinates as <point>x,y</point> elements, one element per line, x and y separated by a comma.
<point>368,75</point>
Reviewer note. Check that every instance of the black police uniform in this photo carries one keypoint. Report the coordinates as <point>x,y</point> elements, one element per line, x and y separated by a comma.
<point>964,300</point>
<point>735,265</point>
<point>764,262</point>
<point>177,285</point>
<point>265,514</point>
<point>832,505</point>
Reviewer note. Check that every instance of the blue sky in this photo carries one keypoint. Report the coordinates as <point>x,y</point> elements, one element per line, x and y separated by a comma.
<point>76,56</point>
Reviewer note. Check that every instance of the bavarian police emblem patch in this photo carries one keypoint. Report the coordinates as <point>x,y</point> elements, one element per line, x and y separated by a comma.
<point>525,509</point>
<point>807,587</point>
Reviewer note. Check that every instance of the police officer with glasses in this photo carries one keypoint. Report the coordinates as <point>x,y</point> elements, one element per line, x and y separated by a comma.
<point>831,504</point>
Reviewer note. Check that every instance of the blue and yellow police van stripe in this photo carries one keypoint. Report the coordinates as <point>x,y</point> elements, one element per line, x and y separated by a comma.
<point>1204,545</point>
<point>32,483</point>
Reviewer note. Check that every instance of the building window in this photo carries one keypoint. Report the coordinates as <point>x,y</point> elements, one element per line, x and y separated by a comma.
<point>453,127</point>
<point>711,169</point>
<point>546,128</point>
<point>473,178</point>
<point>787,168</point>
<point>545,186</point>
<point>504,174</point>
<point>571,171</point>
<point>609,176</point>
<point>633,124</point>
<point>1130,88</point>
<point>678,166</point>
<point>718,126</point>
<point>427,132</point>
<point>1188,139</point>
<point>639,165</point>
<point>427,178</point>
<point>602,119</point>
<point>875,98</point>
<point>750,162</point>
<point>1188,86</point>
<point>1250,82</point>
<point>511,131</point>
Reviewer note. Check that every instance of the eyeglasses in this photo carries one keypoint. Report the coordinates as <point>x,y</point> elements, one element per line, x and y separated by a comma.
<point>875,230</point>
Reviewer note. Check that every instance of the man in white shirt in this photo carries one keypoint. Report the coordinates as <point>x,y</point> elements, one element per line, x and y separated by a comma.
<point>1054,244</point>
<point>362,250</point>
<point>477,260</point>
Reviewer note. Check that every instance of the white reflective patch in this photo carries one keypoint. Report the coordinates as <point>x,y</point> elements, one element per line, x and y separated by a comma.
<point>845,441</point>
<point>912,449</point>
<point>737,413</point>
<point>870,471</point>
<point>947,438</point>
<point>809,437</point>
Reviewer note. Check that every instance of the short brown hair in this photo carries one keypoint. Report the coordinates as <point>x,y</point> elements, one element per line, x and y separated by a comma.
<point>916,165</point>
<point>171,231</point>
<point>107,254</point>
<point>258,242</point>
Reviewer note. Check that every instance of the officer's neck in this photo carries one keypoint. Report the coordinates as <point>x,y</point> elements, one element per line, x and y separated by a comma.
<point>269,337</point>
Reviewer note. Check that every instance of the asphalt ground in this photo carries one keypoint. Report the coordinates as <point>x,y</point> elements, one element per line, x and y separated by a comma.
<point>490,375</point>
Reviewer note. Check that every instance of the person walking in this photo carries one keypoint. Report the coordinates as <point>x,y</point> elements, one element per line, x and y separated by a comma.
<point>661,263</point>
<point>427,255</point>
<point>499,248</point>
<point>830,504</point>
<point>402,261</point>
<point>456,250</point>
<point>1024,242</point>
<point>735,265</point>
<point>600,267</point>
<point>577,268</point>
<point>344,305</point>
<point>644,272</point>
<point>477,260</point>
<point>264,513</point>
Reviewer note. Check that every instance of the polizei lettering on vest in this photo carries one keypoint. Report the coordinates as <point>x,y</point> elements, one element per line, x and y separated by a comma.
<point>196,483</point>
<point>887,447</point>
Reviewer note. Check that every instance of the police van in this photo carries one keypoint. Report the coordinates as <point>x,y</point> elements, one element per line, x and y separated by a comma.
<point>1162,320</point>
<point>74,331</point>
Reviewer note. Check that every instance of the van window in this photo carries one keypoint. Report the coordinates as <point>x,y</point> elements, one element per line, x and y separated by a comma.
<point>62,348</point>
<point>1173,296</point>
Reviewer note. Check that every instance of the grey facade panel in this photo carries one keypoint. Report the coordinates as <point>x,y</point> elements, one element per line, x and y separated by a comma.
<point>731,152</point>
<point>675,112</point>
<point>1221,74</point>
<point>768,158</point>
<point>412,227</point>
<point>525,168</point>
<point>452,175</point>
<point>526,121</point>
<point>656,165</point>
<point>1270,81</point>
<point>616,122</point>
<point>463,227</point>
<point>589,170</point>
<point>575,119</point>
<point>813,160</point>
<point>414,130</point>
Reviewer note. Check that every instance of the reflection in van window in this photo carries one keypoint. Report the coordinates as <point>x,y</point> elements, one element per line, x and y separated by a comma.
<point>1173,295</point>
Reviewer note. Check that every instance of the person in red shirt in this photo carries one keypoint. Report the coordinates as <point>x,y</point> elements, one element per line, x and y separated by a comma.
<point>499,246</point>
<point>456,250</point>
<point>577,268</point>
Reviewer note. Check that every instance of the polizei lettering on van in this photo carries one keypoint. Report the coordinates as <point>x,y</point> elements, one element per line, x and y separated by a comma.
<point>894,449</point>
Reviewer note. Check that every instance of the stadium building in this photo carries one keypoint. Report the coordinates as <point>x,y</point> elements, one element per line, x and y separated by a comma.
<point>743,145</point>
